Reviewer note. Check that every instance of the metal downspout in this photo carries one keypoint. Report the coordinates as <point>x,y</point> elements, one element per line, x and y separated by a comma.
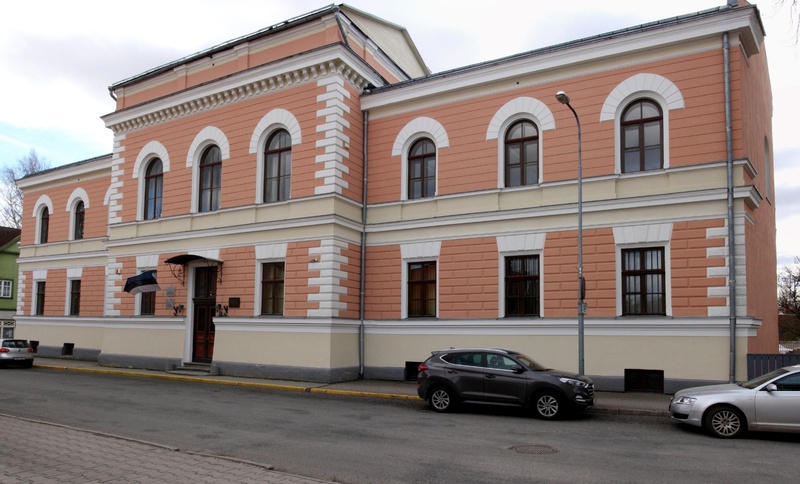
<point>362,284</point>
<point>731,225</point>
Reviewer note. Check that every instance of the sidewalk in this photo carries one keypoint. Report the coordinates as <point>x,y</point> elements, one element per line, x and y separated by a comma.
<point>605,402</point>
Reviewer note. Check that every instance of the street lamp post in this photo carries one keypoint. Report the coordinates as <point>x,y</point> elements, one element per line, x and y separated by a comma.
<point>562,97</point>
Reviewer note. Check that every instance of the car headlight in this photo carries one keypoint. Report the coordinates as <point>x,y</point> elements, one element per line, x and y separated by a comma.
<point>573,382</point>
<point>685,400</point>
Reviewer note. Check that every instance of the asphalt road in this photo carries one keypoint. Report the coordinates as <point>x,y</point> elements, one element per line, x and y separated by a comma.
<point>361,440</point>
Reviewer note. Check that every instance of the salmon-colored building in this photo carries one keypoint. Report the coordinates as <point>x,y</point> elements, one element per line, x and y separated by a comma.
<point>315,204</point>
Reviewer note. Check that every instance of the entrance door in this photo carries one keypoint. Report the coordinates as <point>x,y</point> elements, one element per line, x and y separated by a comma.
<point>205,292</point>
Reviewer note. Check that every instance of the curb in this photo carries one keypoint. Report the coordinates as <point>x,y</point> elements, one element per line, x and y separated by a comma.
<point>215,381</point>
<point>315,389</point>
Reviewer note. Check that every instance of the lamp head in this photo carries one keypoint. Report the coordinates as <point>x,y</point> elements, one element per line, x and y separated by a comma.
<point>562,97</point>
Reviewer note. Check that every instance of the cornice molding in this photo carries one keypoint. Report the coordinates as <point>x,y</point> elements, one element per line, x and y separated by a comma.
<point>245,85</point>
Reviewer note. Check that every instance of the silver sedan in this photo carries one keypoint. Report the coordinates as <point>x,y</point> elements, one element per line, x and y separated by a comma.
<point>770,402</point>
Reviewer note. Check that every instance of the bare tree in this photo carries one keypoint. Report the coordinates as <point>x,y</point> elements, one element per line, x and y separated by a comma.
<point>793,11</point>
<point>789,300</point>
<point>10,194</point>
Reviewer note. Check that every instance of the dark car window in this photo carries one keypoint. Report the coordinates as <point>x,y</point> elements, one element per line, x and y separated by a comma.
<point>530,362</point>
<point>15,343</point>
<point>500,362</point>
<point>467,359</point>
<point>790,383</point>
<point>760,380</point>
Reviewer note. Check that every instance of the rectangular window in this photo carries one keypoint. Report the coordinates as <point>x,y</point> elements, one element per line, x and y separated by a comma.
<point>75,297</point>
<point>421,289</point>
<point>40,285</point>
<point>643,282</point>
<point>272,284</point>
<point>6,288</point>
<point>148,301</point>
<point>522,285</point>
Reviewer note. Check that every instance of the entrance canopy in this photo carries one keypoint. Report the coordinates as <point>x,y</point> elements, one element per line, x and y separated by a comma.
<point>177,265</point>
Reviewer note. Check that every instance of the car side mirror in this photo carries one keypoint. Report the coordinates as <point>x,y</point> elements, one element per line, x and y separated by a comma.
<point>517,369</point>
<point>771,387</point>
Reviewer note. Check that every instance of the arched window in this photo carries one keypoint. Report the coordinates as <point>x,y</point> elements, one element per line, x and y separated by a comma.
<point>278,172</point>
<point>153,189</point>
<point>522,154</point>
<point>44,225</point>
<point>77,229</point>
<point>422,169</point>
<point>210,179</point>
<point>642,128</point>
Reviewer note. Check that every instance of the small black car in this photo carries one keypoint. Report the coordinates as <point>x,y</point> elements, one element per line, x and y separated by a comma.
<point>500,377</point>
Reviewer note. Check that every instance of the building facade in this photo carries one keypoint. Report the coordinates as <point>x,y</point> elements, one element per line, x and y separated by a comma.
<point>9,271</point>
<point>315,204</point>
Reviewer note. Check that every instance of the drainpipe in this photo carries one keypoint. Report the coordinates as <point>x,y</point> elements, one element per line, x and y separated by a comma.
<point>731,227</point>
<point>362,284</point>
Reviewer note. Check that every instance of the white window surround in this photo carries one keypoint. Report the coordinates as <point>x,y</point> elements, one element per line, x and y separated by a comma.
<point>152,150</point>
<point>38,276</point>
<point>417,252</point>
<point>6,288</point>
<point>418,128</point>
<point>264,254</point>
<point>73,274</point>
<point>78,195</point>
<point>767,170</point>
<point>271,122</point>
<point>208,136</point>
<point>515,110</point>
<point>144,263</point>
<point>650,86</point>
<point>644,236</point>
<point>41,203</point>
<point>514,245</point>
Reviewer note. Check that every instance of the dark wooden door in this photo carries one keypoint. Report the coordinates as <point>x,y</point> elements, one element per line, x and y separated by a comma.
<point>204,307</point>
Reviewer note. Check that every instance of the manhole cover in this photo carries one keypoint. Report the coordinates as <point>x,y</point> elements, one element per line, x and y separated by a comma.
<point>535,449</point>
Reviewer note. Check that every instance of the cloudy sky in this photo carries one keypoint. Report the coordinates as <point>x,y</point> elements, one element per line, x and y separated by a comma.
<point>57,59</point>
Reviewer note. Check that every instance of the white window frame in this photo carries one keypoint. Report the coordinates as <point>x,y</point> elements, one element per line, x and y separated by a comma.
<point>517,109</point>
<point>422,127</point>
<point>73,274</point>
<point>418,252</point>
<point>268,253</point>
<point>517,245</point>
<point>644,237</point>
<point>271,122</point>
<point>6,288</point>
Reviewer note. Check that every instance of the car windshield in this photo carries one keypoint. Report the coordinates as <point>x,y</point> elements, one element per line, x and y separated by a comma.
<point>758,381</point>
<point>529,362</point>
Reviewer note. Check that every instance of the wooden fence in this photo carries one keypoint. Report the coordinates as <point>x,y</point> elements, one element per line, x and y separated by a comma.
<point>758,365</point>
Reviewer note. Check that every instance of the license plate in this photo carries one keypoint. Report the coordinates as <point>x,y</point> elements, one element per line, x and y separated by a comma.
<point>19,358</point>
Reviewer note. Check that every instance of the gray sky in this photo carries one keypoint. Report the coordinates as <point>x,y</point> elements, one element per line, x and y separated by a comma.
<point>57,59</point>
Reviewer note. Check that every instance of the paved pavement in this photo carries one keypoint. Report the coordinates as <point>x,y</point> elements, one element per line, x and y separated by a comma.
<point>58,454</point>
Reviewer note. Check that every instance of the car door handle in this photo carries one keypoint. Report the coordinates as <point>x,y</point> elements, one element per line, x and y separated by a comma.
<point>490,376</point>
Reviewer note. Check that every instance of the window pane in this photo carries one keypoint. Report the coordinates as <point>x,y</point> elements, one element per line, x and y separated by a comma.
<point>652,134</point>
<point>631,136</point>
<point>513,153</point>
<point>531,173</point>
<point>416,169</point>
<point>522,286</point>
<point>531,152</point>
<point>650,110</point>
<point>631,162</point>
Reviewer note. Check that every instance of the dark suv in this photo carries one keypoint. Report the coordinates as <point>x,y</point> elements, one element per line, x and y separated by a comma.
<point>500,377</point>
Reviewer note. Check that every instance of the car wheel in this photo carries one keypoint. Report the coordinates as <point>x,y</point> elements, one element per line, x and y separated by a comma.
<point>725,422</point>
<point>547,405</point>
<point>441,399</point>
